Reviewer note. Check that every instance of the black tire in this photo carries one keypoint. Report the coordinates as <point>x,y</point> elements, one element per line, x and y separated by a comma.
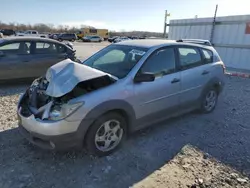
<point>204,102</point>
<point>96,126</point>
<point>72,40</point>
<point>60,40</point>
<point>100,40</point>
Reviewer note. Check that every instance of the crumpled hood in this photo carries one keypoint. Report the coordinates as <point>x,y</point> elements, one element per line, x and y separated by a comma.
<point>65,75</point>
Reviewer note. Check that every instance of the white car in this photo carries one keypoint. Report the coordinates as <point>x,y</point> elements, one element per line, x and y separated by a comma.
<point>32,33</point>
<point>92,39</point>
<point>120,39</point>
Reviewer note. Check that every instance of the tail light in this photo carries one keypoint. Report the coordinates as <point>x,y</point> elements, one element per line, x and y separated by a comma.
<point>224,68</point>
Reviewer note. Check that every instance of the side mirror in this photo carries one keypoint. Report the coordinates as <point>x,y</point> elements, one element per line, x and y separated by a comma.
<point>1,54</point>
<point>144,77</point>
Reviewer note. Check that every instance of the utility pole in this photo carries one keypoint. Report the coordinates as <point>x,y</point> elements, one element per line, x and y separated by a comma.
<point>165,23</point>
<point>213,25</point>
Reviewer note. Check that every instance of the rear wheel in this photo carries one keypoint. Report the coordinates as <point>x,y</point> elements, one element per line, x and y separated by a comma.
<point>60,40</point>
<point>209,100</point>
<point>72,40</point>
<point>106,134</point>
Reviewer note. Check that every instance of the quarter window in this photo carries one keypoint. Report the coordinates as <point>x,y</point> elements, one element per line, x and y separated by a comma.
<point>160,62</point>
<point>208,56</point>
<point>189,57</point>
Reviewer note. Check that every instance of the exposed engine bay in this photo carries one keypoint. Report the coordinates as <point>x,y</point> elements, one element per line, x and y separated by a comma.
<point>37,102</point>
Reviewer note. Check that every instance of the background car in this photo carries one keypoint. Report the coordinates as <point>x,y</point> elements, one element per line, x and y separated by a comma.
<point>67,36</point>
<point>111,39</point>
<point>29,57</point>
<point>92,39</point>
<point>54,36</point>
<point>8,32</point>
<point>119,39</point>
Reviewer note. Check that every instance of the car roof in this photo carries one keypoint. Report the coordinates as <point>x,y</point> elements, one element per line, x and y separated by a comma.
<point>151,43</point>
<point>16,39</point>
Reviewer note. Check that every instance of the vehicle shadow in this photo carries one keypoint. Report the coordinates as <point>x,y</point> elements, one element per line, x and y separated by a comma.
<point>143,153</point>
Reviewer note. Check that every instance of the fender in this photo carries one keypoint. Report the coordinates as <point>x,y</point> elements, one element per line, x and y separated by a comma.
<point>105,107</point>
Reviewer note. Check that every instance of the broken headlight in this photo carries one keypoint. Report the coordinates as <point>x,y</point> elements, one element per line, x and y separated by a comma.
<point>59,112</point>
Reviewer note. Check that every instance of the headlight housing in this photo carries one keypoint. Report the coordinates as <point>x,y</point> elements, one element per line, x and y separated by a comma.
<point>59,112</point>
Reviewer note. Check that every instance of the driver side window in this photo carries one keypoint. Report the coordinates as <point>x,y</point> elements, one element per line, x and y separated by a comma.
<point>16,48</point>
<point>161,62</point>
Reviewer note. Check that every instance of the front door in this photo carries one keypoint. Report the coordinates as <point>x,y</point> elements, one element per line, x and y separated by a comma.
<point>158,99</point>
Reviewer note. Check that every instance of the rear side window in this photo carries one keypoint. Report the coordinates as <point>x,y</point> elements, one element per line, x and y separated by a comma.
<point>189,57</point>
<point>208,56</point>
<point>160,62</point>
<point>45,48</point>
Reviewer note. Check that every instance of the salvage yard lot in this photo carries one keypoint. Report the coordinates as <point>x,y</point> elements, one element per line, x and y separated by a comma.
<point>224,134</point>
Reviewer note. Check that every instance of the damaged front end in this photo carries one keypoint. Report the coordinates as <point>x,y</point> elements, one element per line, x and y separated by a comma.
<point>47,99</point>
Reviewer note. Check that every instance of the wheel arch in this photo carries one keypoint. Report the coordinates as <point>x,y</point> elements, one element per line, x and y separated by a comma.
<point>119,106</point>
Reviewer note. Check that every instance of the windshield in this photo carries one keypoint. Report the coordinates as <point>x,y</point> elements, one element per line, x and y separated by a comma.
<point>116,60</point>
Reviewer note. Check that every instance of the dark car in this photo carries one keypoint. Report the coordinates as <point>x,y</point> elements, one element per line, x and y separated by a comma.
<point>29,57</point>
<point>112,38</point>
<point>67,36</point>
<point>8,32</point>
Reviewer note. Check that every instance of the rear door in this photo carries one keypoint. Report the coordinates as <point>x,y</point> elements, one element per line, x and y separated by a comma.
<point>47,54</point>
<point>15,60</point>
<point>194,75</point>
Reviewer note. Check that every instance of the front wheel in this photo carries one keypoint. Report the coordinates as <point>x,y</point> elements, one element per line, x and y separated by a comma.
<point>209,100</point>
<point>106,134</point>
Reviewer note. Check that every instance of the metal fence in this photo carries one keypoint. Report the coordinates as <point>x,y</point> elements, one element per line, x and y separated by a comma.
<point>231,36</point>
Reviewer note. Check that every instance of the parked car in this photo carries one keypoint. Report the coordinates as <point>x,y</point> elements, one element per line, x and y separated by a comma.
<point>8,32</point>
<point>112,38</point>
<point>31,33</point>
<point>30,57</point>
<point>67,36</point>
<point>120,39</point>
<point>120,89</point>
<point>54,36</point>
<point>92,39</point>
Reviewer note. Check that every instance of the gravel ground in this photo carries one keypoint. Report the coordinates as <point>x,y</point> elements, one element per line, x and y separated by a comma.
<point>224,134</point>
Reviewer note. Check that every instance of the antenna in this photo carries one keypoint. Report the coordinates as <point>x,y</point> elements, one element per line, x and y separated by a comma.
<point>213,25</point>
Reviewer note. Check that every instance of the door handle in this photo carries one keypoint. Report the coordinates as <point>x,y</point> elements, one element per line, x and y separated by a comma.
<point>175,80</point>
<point>205,72</point>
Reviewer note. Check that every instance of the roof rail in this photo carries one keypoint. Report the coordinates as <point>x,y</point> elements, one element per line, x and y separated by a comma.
<point>196,41</point>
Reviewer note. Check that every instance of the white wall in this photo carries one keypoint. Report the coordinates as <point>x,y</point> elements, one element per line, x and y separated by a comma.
<point>226,33</point>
